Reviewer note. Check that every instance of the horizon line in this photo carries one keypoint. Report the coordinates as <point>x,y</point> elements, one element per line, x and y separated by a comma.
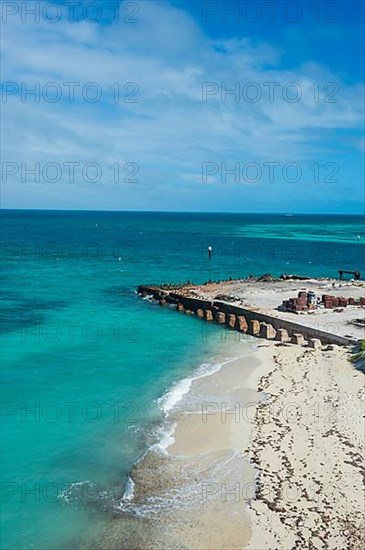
<point>289,214</point>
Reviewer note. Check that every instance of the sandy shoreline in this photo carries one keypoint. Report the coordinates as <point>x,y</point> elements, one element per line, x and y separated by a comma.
<point>308,442</point>
<point>204,469</point>
<point>267,453</point>
<point>194,493</point>
<point>305,436</point>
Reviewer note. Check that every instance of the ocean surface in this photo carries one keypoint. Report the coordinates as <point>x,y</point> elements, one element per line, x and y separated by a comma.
<point>89,369</point>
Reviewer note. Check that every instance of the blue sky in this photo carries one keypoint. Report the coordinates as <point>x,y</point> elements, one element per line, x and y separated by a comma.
<point>164,135</point>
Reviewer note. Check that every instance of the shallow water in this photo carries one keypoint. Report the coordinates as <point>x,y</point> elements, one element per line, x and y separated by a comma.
<point>85,361</point>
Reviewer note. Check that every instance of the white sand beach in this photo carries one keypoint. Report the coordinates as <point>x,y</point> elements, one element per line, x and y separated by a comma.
<point>306,438</point>
<point>308,442</point>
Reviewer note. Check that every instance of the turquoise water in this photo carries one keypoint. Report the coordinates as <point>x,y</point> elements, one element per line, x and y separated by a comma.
<point>84,359</point>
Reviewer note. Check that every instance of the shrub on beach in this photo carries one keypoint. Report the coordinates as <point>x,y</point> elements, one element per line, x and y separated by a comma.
<point>360,354</point>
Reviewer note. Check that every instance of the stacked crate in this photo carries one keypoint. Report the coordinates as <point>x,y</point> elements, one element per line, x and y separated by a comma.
<point>327,301</point>
<point>305,302</point>
<point>301,301</point>
<point>334,301</point>
<point>296,304</point>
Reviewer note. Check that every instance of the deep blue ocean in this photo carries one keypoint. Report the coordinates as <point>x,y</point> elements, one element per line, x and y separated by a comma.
<point>85,360</point>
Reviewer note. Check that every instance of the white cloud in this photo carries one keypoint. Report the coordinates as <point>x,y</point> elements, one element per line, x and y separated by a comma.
<point>170,131</point>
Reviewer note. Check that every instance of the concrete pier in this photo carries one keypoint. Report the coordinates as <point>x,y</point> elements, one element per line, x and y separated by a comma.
<point>243,319</point>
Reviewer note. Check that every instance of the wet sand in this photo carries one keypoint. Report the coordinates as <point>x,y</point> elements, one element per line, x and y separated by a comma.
<point>220,410</point>
<point>194,493</point>
<point>213,428</point>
